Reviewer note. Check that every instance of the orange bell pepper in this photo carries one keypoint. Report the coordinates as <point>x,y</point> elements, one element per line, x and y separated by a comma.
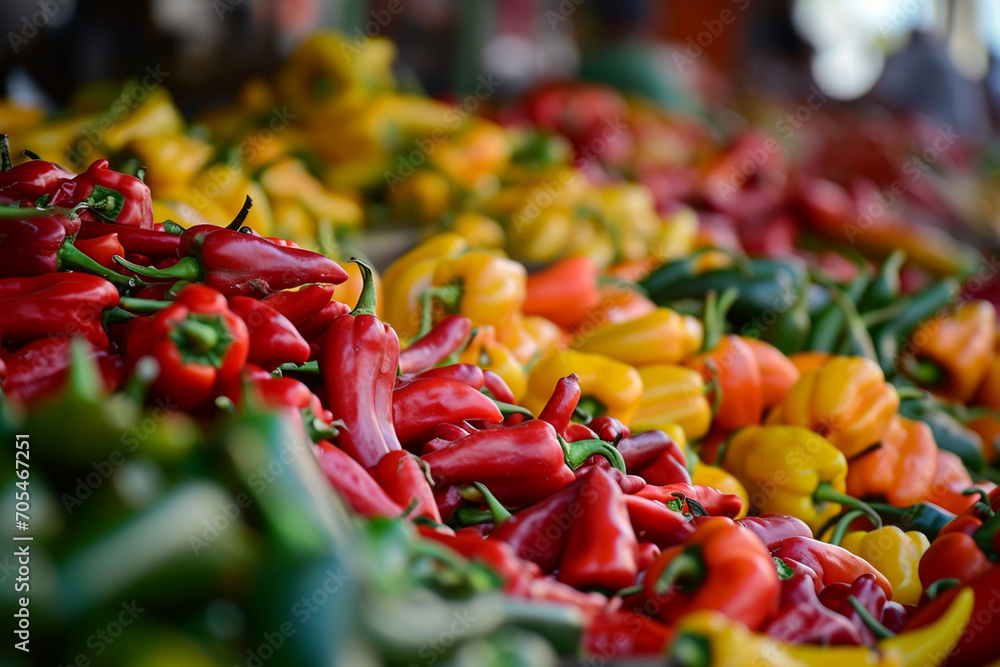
<point>733,366</point>
<point>902,469</point>
<point>777,372</point>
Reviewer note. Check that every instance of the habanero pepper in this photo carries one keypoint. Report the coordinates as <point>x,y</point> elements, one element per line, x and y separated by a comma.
<point>358,359</point>
<point>734,368</point>
<point>777,372</point>
<point>420,405</point>
<point>672,395</point>
<point>661,337</point>
<point>901,469</point>
<point>895,554</point>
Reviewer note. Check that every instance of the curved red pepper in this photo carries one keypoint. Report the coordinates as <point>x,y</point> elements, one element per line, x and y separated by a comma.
<point>354,484</point>
<point>538,532</point>
<point>558,410</point>
<point>715,502</point>
<point>438,344</point>
<point>55,304</point>
<point>803,619</point>
<point>401,476</point>
<point>773,528</point>
<point>467,374</point>
<point>609,428</point>
<point>498,387</point>
<point>625,633</point>
<point>273,339</point>
<point>300,304</point>
<point>638,450</point>
<point>831,563</point>
<point>134,240</point>
<point>422,404</point>
<point>101,249</point>
<point>30,180</point>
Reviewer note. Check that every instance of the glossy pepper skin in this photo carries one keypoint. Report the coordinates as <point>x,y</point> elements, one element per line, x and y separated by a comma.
<point>830,562</point>
<point>301,304</point>
<point>846,400</point>
<point>436,345</point>
<point>654,522</point>
<point>901,469</point>
<point>563,292</point>
<point>558,410</point>
<point>137,209</point>
<point>734,368</point>
<point>601,547</point>
<point>967,546</point>
<point>895,554</point>
<point>149,242</point>
<point>672,395</point>
<point>771,529</point>
<point>273,339</point>
<point>661,337</point>
<point>358,358</point>
<point>197,341</point>
<point>538,532</point>
<point>485,351</point>
<point>802,618</point>
<point>39,369</point>
<point>721,567</point>
<point>960,346</point>
<point>777,372</point>
<point>55,304</point>
<point>616,386</point>
<point>401,475</point>
<point>354,484</point>
<point>419,405</point>
<point>490,288</point>
<point>714,501</point>
<point>31,180</point>
<point>784,469</point>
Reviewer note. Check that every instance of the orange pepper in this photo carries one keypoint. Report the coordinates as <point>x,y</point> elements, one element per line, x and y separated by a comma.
<point>777,372</point>
<point>902,469</point>
<point>950,480</point>
<point>987,427</point>
<point>734,368</point>
<point>806,361</point>
<point>563,292</point>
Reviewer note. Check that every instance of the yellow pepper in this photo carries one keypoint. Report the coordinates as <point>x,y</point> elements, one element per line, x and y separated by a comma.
<point>540,236</point>
<point>846,400</point>
<point>481,231</point>
<point>675,236</point>
<point>290,179</point>
<point>482,285</point>
<point>895,554</point>
<point>15,118</point>
<point>717,478</point>
<point>406,280</point>
<point>672,395</point>
<point>614,386</point>
<point>470,156</point>
<point>423,197</point>
<point>156,114</point>
<point>170,159</point>
<point>709,638</point>
<point>789,470</point>
<point>548,336</point>
<point>484,351</point>
<point>660,337</point>
<point>227,185</point>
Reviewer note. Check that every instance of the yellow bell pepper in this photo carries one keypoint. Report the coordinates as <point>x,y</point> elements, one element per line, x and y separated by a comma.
<point>156,114</point>
<point>477,150</point>
<point>484,351</point>
<point>15,118</point>
<point>406,280</point>
<point>423,197</point>
<point>661,337</point>
<point>895,554</point>
<point>789,470</point>
<point>717,478</point>
<point>672,395</point>
<point>846,400</point>
<point>548,336</point>
<point>481,231</point>
<point>616,387</point>
<point>486,287</point>
<point>226,185</point>
<point>541,236</point>
<point>676,235</point>
<point>170,159</point>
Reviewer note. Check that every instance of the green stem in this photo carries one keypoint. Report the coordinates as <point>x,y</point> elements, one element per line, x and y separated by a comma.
<point>687,567</point>
<point>924,372</point>
<point>588,408</point>
<point>843,525</point>
<point>872,623</point>
<point>200,336</point>
<point>581,450</point>
<point>187,268</point>
<point>367,299</point>
<point>8,212</point>
<point>426,314</point>
<point>142,305</point>
<point>985,534</point>
<point>825,493</point>
<point>472,516</point>
<point>308,367</point>
<point>509,408</point>
<point>171,227</point>
<point>690,650</point>
<point>117,314</point>
<point>940,586</point>
<point>83,379</point>
<point>498,511</point>
<point>71,256</point>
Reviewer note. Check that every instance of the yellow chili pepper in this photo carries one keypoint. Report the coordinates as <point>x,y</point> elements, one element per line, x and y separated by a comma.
<point>660,337</point>
<point>672,395</point>
<point>895,554</point>
<point>789,470</point>
<point>170,159</point>
<point>484,351</point>
<point>541,236</point>
<point>613,388</point>
<point>846,400</point>
<point>482,285</point>
<point>717,478</point>
<point>675,236</point>
<point>481,231</point>
<point>290,179</point>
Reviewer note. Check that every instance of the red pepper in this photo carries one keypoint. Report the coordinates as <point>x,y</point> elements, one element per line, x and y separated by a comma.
<point>313,328</point>
<point>609,428</point>
<point>624,633</point>
<point>132,204</point>
<point>357,361</point>
<point>666,469</point>
<point>134,240</point>
<point>401,476</point>
<point>967,546</point>
<point>655,522</point>
<point>467,374</point>
<point>872,598</point>
<point>802,618</point>
<point>629,484</point>
<point>516,573</point>
<point>538,532</point>
<point>575,432</point>
<point>438,344</point>
<point>101,249</point>
<point>601,547</point>
<point>197,341</point>
<point>39,369</point>
<point>564,292</point>
<point>713,501</point>
<point>354,484</point>
<point>720,567</point>
<point>273,339</point>
<point>37,246</point>
<point>498,387</point>
<point>773,528</point>
<point>420,405</point>
<point>242,264</point>
<point>299,305</point>
<point>558,410</point>
<point>638,450</point>
<point>447,500</point>
<point>55,304</point>
<point>31,180</point>
<point>831,563</point>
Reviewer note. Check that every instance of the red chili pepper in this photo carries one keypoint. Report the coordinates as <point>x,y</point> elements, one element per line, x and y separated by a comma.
<point>773,528</point>
<point>438,344</point>
<point>713,501</point>
<point>134,240</point>
<point>401,475</point>
<point>655,522</point>
<point>867,592</point>
<point>197,341</point>
<point>558,410</point>
<point>313,328</point>
<point>498,387</point>
<point>241,264</point>
<point>101,249</point>
<point>497,555</point>
<point>420,405</point>
<point>55,304</point>
<point>648,552</point>
<point>39,369</point>
<point>609,428</point>
<point>601,547</point>
<point>802,618</point>
<point>31,180</point>
<point>447,500</point>
<point>299,305</point>
<point>638,450</point>
<point>354,484</point>
<point>666,469</point>
<point>575,432</point>
<point>564,292</point>
<point>624,633</point>
<point>357,361</point>
<point>467,374</point>
<point>37,246</point>
<point>629,484</point>
<point>831,563</point>
<point>273,339</point>
<point>120,198</point>
<point>538,532</point>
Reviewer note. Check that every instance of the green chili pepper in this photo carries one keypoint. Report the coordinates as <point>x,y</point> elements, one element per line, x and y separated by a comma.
<point>949,433</point>
<point>914,309</point>
<point>790,330</point>
<point>922,517</point>
<point>662,280</point>
<point>884,289</point>
<point>828,326</point>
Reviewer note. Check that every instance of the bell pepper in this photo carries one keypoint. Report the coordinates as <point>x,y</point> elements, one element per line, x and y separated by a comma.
<point>485,287</point>
<point>895,554</point>
<point>170,159</point>
<point>846,400</point>
<point>564,292</point>
<point>978,642</point>
<point>136,203</point>
<point>55,304</point>
<point>771,529</point>
<point>484,351</point>
<point>601,547</point>
<point>777,372</point>
<point>239,264</point>
<point>613,388</point>
<point>721,567</point>
<point>790,470</point>
<point>354,484</point>
<point>672,395</point>
<point>733,367</point>
<point>197,341</point>
<point>479,230</point>
<point>901,469</point>
<point>708,637</point>
<point>403,477</point>
<point>273,339</point>
<point>538,532</point>
<point>951,479</point>
<point>807,361</point>
<point>621,633</point>
<point>967,546</point>
<point>831,563</point>
<point>436,345</point>
<point>706,475</point>
<point>951,355</point>
<point>419,405</point>
<point>950,434</point>
<point>661,337</point>
<point>358,360</point>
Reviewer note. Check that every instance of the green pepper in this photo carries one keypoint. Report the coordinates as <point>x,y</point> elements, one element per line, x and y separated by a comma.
<point>660,282</point>
<point>828,326</point>
<point>949,433</point>
<point>790,330</point>
<point>884,289</point>
<point>922,517</point>
<point>911,311</point>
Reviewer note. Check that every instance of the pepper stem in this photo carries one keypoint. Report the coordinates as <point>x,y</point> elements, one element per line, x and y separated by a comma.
<point>142,305</point>
<point>507,409</point>
<point>8,212</point>
<point>5,162</point>
<point>498,511</point>
<point>985,535</point>
<point>581,450</point>
<point>366,301</point>
<point>940,586</point>
<point>825,493</point>
<point>687,569</point>
<point>187,268</point>
<point>199,335</point>
<point>872,623</point>
<point>690,650</point>
<point>924,372</point>
<point>83,379</point>
<point>241,216</point>
<point>843,525</point>
<point>71,256</point>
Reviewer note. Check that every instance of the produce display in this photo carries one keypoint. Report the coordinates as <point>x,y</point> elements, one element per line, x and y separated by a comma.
<point>642,386</point>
